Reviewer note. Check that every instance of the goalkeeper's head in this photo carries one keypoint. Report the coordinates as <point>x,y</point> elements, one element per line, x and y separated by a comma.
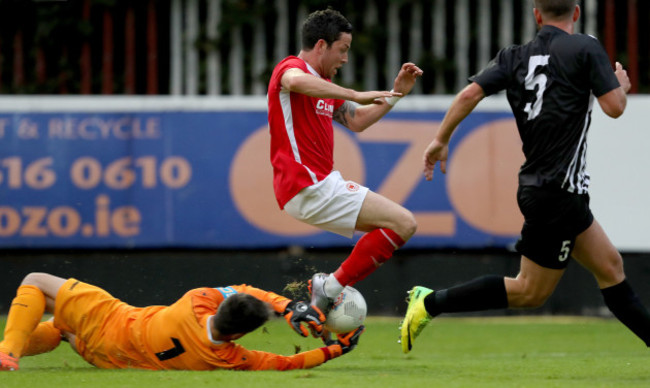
<point>241,314</point>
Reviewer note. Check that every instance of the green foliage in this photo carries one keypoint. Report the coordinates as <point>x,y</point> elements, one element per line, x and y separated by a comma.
<point>478,352</point>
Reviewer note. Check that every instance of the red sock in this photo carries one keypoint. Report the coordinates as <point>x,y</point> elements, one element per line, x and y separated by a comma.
<point>372,250</point>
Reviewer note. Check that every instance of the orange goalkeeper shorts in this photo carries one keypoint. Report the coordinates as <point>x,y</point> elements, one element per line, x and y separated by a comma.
<point>83,310</point>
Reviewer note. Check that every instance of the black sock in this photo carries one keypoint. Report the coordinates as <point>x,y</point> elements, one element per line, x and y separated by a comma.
<point>626,306</point>
<point>484,293</point>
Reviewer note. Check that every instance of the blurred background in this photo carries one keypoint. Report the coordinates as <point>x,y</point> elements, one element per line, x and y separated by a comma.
<point>134,147</point>
<point>229,47</point>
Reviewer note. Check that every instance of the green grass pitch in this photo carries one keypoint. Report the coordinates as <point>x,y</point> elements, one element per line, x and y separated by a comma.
<point>451,352</point>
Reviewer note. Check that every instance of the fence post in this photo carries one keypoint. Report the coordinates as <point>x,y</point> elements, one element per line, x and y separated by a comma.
<point>176,49</point>
<point>191,55</point>
<point>610,29</point>
<point>484,33</point>
<point>129,51</point>
<point>84,61</point>
<point>107,52</point>
<point>633,45</point>
<point>370,63</point>
<point>393,49</point>
<point>529,25</point>
<point>152,48</point>
<point>213,55</point>
<point>415,34</point>
<point>461,57</point>
<point>590,12</point>
<point>259,56</point>
<point>281,30</point>
<point>438,42</point>
<point>236,62</point>
<point>18,70</point>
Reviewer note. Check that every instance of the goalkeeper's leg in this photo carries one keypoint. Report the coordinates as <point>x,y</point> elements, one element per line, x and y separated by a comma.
<point>24,315</point>
<point>35,294</point>
<point>44,338</point>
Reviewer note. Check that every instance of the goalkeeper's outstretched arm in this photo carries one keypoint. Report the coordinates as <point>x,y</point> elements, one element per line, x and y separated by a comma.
<point>344,344</point>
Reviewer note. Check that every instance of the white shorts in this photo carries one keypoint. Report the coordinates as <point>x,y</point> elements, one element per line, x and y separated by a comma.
<point>332,204</point>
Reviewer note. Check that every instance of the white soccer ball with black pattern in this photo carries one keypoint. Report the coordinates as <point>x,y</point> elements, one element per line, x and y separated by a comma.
<point>348,312</point>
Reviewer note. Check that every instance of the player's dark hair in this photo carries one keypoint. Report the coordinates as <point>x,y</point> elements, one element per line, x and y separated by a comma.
<point>241,313</point>
<point>325,24</point>
<point>556,9</point>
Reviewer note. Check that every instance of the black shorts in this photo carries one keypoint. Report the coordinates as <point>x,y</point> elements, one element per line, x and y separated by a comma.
<point>553,218</point>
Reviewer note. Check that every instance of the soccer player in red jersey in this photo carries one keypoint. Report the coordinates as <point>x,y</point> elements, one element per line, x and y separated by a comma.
<point>302,102</point>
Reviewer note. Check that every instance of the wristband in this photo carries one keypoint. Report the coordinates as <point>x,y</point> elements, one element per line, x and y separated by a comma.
<point>392,100</point>
<point>331,351</point>
<point>327,353</point>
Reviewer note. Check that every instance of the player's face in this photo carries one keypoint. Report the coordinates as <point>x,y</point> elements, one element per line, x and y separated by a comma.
<point>336,55</point>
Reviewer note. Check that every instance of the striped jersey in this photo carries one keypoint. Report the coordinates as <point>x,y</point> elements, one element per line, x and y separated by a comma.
<point>550,84</point>
<point>302,136</point>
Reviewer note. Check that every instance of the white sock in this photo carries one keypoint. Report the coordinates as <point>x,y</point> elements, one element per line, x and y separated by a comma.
<point>332,287</point>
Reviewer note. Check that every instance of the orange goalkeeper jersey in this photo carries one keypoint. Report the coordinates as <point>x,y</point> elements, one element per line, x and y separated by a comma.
<point>171,337</point>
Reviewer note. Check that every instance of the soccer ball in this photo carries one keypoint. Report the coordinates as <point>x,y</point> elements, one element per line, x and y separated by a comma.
<point>348,312</point>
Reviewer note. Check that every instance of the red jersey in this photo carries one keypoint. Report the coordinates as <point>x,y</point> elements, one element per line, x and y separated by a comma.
<point>302,136</point>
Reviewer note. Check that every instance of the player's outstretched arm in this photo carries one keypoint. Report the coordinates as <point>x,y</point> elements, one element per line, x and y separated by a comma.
<point>298,81</point>
<point>244,359</point>
<point>463,104</point>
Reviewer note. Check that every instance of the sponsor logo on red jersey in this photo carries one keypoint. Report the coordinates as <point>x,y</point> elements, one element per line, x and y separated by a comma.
<point>324,109</point>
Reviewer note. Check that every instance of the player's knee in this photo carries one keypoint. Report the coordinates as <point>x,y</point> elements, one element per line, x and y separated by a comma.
<point>533,299</point>
<point>525,295</point>
<point>611,272</point>
<point>407,226</point>
<point>33,279</point>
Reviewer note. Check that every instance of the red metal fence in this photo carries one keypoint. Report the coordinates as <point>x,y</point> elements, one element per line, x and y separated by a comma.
<point>128,47</point>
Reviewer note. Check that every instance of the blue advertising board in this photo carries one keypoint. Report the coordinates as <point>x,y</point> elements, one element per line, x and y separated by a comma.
<point>98,179</point>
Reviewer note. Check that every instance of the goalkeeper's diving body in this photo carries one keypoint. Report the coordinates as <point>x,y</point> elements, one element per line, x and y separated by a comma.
<point>194,333</point>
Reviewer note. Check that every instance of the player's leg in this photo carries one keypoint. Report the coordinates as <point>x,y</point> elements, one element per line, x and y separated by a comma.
<point>531,288</point>
<point>35,294</point>
<point>72,340</point>
<point>342,207</point>
<point>48,284</point>
<point>538,277</point>
<point>595,252</point>
<point>388,225</point>
<point>45,338</point>
<point>378,211</point>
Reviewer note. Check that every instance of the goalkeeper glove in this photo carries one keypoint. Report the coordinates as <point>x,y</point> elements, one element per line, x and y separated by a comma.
<point>297,313</point>
<point>347,341</point>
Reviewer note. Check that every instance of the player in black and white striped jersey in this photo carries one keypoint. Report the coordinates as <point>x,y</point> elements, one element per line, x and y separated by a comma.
<point>551,84</point>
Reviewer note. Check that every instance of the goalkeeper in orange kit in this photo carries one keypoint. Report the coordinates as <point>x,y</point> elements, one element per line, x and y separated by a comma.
<point>194,333</point>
